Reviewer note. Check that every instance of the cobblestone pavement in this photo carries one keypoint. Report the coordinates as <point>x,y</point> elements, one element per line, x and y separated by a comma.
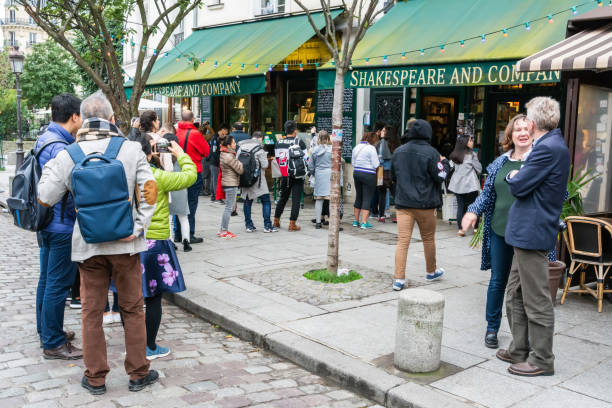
<point>207,367</point>
<point>292,283</point>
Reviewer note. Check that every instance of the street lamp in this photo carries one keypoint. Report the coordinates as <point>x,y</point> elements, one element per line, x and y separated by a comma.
<point>16,58</point>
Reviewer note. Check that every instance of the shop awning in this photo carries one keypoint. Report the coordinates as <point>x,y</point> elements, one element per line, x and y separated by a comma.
<point>589,46</point>
<point>229,54</point>
<point>426,34</point>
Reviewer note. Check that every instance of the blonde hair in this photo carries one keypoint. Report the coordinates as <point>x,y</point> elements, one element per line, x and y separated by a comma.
<point>544,112</point>
<point>508,144</point>
<point>323,138</point>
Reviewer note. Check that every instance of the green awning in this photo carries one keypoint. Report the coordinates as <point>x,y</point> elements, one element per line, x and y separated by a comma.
<point>427,24</point>
<point>414,25</point>
<point>236,49</point>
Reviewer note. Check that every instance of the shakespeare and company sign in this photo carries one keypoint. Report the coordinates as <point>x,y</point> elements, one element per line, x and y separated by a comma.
<point>466,74</point>
<point>221,87</point>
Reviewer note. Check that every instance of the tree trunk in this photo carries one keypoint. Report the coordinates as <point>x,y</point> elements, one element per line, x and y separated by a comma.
<point>334,208</point>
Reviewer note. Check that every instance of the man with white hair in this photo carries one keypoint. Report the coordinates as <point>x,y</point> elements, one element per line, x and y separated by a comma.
<point>532,228</point>
<point>120,259</point>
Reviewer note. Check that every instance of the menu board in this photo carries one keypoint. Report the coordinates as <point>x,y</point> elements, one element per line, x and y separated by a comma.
<point>205,109</point>
<point>325,104</point>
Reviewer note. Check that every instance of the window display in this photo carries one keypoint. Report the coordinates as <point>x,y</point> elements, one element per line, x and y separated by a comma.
<point>239,110</point>
<point>593,146</point>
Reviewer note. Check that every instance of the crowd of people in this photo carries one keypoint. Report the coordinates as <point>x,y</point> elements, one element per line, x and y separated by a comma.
<point>164,171</point>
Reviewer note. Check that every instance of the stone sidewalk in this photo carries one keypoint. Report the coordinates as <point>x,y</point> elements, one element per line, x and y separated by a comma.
<point>252,286</point>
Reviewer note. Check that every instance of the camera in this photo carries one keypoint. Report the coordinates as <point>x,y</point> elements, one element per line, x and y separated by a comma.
<point>162,145</point>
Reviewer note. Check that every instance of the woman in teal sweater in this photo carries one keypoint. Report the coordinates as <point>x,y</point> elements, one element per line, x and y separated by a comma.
<point>161,271</point>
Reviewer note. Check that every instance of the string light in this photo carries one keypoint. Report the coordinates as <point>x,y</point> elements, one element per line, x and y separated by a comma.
<point>178,59</point>
<point>154,51</point>
<point>367,61</point>
<point>527,26</point>
<point>483,38</point>
<point>505,31</point>
<point>599,3</point>
<point>316,65</point>
<point>241,67</point>
<point>285,68</point>
<point>462,43</point>
<point>270,68</point>
<point>574,11</point>
<point>442,48</point>
<point>202,61</point>
<point>216,64</point>
<point>301,67</point>
<point>385,60</point>
<point>229,65</point>
<point>403,55</point>
<point>256,67</point>
<point>165,55</point>
<point>550,18</point>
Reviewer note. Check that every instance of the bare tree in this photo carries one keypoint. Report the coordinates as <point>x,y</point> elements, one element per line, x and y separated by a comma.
<point>93,19</point>
<point>359,16</point>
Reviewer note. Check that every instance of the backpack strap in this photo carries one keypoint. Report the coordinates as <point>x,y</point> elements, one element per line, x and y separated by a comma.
<point>186,139</point>
<point>112,150</point>
<point>47,143</point>
<point>63,208</point>
<point>75,152</point>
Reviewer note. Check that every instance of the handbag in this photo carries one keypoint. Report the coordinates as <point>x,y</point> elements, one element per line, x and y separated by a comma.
<point>276,172</point>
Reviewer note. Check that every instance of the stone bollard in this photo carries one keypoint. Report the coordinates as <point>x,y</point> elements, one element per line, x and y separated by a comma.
<point>418,336</point>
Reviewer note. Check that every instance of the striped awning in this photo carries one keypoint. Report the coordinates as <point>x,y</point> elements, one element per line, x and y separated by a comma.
<point>588,50</point>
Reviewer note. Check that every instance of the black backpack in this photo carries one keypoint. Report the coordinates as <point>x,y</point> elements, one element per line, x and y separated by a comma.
<point>23,204</point>
<point>296,167</point>
<point>251,173</point>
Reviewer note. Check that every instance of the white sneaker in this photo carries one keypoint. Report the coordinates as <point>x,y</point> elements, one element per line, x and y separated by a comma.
<point>107,318</point>
<point>116,317</point>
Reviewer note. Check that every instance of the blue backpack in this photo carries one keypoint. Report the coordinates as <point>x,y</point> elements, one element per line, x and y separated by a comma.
<point>101,195</point>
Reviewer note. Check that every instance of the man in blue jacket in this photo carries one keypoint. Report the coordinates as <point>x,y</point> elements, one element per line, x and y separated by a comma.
<point>57,271</point>
<point>532,228</point>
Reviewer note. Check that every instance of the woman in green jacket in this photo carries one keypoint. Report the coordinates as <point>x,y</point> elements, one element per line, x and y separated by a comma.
<point>161,271</point>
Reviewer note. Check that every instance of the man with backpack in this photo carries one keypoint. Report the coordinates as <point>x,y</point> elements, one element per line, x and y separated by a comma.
<point>196,147</point>
<point>114,193</point>
<point>57,271</point>
<point>253,182</point>
<point>290,155</point>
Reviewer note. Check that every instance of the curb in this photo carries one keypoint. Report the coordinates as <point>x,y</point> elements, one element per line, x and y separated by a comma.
<point>351,373</point>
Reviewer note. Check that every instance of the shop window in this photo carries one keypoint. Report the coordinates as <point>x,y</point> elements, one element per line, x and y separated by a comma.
<point>440,112</point>
<point>504,112</point>
<point>300,103</point>
<point>594,146</point>
<point>239,111</point>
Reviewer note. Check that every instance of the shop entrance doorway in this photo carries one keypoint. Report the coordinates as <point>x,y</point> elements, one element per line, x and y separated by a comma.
<point>441,113</point>
<point>387,108</point>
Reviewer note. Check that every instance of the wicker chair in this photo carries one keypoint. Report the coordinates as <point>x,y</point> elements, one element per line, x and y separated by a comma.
<point>589,241</point>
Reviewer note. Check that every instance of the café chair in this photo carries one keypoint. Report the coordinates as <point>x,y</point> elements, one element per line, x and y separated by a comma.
<point>589,241</point>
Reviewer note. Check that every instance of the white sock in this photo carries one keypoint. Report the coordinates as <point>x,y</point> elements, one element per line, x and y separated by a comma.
<point>402,281</point>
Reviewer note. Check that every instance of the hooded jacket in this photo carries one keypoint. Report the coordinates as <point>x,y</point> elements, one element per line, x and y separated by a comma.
<point>418,171</point>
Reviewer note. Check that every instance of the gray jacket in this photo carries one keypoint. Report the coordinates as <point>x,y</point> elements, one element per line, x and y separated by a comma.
<point>261,187</point>
<point>465,178</point>
<point>55,182</point>
<point>178,199</point>
<point>320,165</point>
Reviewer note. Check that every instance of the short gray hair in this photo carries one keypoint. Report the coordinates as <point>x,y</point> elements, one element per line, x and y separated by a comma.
<point>544,112</point>
<point>96,106</point>
<point>257,135</point>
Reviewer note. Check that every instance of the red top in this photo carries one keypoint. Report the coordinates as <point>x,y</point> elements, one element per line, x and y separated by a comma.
<point>197,147</point>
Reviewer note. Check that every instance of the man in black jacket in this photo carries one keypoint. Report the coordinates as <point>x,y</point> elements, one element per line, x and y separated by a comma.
<point>418,171</point>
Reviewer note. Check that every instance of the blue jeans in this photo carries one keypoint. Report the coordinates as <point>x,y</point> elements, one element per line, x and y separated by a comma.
<point>501,261</point>
<point>193,194</point>
<point>57,274</point>
<point>266,208</point>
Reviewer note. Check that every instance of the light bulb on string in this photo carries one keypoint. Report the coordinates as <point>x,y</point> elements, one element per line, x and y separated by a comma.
<point>403,55</point>
<point>550,19</point>
<point>301,67</point>
<point>256,67</point>
<point>462,43</point>
<point>216,64</point>
<point>241,67</point>
<point>316,65</point>
<point>202,61</point>
<point>333,63</point>
<point>442,48</point>
<point>422,51</point>
<point>505,31</point>
<point>229,65</point>
<point>527,26</point>
<point>574,10</point>
<point>385,60</point>
<point>285,67</point>
<point>599,3</point>
<point>166,55</point>
<point>483,38</point>
<point>144,47</point>
<point>270,68</point>
<point>122,41</point>
<point>178,59</point>
<point>154,51</point>
<point>367,61</point>
<point>190,59</point>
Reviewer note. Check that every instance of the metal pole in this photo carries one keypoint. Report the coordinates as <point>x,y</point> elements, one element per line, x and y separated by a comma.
<point>19,153</point>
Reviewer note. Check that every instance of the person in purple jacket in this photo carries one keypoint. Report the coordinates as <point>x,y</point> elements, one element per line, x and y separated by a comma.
<point>57,271</point>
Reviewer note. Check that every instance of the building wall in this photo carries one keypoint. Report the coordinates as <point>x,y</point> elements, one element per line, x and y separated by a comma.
<point>14,19</point>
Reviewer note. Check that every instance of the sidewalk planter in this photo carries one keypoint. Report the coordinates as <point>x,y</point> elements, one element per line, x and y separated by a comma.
<point>556,270</point>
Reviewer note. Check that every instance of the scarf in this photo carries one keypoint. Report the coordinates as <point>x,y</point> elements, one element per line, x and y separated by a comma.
<point>96,128</point>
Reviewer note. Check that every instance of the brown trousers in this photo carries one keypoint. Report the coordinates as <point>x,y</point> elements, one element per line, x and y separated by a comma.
<point>96,273</point>
<point>426,220</point>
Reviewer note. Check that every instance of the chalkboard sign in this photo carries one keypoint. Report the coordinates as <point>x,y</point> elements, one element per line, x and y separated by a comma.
<point>205,111</point>
<point>325,104</point>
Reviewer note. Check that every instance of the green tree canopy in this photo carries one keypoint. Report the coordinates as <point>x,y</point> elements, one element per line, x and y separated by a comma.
<point>47,72</point>
<point>8,115</point>
<point>7,78</point>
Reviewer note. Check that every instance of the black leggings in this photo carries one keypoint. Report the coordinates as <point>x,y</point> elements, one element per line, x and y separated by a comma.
<point>153,316</point>
<point>463,202</point>
<point>365,186</point>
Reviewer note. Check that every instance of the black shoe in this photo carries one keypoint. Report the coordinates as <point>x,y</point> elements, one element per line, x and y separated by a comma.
<point>491,340</point>
<point>318,225</point>
<point>186,246</point>
<point>314,220</point>
<point>137,385</point>
<point>99,390</point>
<point>196,240</point>
<point>178,239</point>
<point>234,213</point>
<point>213,198</point>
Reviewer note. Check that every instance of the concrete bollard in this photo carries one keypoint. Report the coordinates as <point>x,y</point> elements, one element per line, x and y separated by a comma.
<point>418,336</point>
